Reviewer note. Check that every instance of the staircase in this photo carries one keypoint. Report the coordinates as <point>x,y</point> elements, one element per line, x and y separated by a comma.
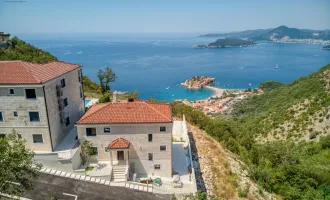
<point>118,173</point>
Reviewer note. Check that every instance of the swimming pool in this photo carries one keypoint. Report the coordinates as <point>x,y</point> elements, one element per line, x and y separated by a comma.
<point>87,101</point>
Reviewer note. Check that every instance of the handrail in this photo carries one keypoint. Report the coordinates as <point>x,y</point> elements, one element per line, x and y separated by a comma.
<point>126,173</point>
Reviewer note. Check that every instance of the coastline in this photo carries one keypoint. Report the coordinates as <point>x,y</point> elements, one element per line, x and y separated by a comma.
<point>217,92</point>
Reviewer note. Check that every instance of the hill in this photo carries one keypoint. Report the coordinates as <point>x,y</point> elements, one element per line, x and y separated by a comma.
<point>276,33</point>
<point>19,50</point>
<point>293,33</point>
<point>229,42</point>
<point>238,34</point>
<point>283,136</point>
<point>226,43</point>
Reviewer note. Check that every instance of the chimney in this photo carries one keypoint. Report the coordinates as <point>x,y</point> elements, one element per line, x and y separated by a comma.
<point>114,96</point>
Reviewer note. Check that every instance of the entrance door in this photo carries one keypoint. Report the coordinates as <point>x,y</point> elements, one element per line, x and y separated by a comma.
<point>120,155</point>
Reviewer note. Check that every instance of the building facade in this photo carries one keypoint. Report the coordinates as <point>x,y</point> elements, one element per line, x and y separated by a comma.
<point>137,134</point>
<point>41,102</point>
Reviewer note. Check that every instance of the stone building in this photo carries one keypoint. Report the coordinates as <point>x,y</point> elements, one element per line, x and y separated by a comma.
<point>41,102</point>
<point>136,135</point>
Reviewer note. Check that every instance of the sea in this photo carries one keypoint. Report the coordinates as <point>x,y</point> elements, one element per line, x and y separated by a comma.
<point>154,64</point>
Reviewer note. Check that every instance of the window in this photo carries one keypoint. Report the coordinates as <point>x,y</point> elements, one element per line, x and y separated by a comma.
<point>67,121</point>
<point>150,156</point>
<point>94,149</point>
<point>15,114</point>
<point>162,147</point>
<point>2,135</point>
<point>106,130</point>
<point>91,131</point>
<point>30,94</point>
<point>11,91</point>
<point>19,136</point>
<point>66,102</point>
<point>157,166</point>
<point>149,137</point>
<point>63,83</point>
<point>81,92</point>
<point>162,129</point>
<point>1,117</point>
<point>79,75</point>
<point>37,138</point>
<point>34,117</point>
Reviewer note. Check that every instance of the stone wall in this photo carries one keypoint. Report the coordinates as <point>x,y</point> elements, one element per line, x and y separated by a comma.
<point>137,135</point>
<point>74,109</point>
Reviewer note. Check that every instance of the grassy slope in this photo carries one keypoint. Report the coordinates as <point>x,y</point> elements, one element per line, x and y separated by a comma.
<point>292,170</point>
<point>20,50</point>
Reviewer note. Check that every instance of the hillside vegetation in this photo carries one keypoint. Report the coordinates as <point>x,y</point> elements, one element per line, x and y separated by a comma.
<point>295,161</point>
<point>19,50</point>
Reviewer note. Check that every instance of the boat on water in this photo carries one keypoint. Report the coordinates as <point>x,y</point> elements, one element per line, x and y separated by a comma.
<point>167,88</point>
<point>276,66</point>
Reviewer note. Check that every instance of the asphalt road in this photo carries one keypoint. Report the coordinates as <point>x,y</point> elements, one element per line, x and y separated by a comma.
<point>48,186</point>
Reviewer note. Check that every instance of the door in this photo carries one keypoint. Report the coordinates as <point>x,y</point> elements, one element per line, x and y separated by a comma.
<point>120,155</point>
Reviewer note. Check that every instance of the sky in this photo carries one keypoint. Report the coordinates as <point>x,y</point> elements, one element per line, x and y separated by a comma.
<point>161,16</point>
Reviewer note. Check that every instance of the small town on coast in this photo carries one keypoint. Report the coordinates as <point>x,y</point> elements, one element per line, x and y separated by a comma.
<point>221,101</point>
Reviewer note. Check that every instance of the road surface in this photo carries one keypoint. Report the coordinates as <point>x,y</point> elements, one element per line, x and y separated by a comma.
<point>48,186</point>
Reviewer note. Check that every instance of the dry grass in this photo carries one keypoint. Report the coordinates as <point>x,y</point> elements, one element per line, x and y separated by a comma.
<point>214,166</point>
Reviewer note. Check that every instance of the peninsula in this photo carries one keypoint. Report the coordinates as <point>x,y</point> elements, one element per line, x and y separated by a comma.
<point>198,82</point>
<point>226,43</point>
<point>327,47</point>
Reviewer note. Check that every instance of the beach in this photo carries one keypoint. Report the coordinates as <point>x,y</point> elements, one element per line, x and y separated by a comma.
<point>218,92</point>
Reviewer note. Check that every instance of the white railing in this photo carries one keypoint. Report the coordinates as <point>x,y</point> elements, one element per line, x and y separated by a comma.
<point>126,173</point>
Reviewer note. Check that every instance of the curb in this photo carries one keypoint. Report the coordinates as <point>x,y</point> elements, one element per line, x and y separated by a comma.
<point>95,180</point>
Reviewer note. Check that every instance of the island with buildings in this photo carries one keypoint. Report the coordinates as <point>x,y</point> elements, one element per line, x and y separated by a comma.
<point>198,82</point>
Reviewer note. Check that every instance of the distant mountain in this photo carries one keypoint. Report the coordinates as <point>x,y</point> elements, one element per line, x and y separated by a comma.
<point>226,43</point>
<point>293,33</point>
<point>240,34</point>
<point>276,33</point>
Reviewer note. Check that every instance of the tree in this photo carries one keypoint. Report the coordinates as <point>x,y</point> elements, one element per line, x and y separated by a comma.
<point>86,151</point>
<point>100,75</point>
<point>105,98</point>
<point>270,85</point>
<point>18,169</point>
<point>133,95</point>
<point>106,77</point>
<point>109,77</point>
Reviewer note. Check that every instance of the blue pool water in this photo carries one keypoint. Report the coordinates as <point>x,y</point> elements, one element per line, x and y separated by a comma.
<point>154,65</point>
<point>87,101</point>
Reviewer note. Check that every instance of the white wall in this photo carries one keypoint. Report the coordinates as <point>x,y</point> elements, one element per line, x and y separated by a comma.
<point>137,135</point>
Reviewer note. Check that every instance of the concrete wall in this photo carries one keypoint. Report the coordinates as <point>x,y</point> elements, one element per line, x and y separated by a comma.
<point>21,123</point>
<point>137,135</point>
<point>74,109</point>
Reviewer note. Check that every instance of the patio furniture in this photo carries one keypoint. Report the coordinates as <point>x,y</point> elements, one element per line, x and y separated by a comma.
<point>179,184</point>
<point>157,182</point>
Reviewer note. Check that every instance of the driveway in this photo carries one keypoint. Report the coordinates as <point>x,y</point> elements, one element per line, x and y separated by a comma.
<point>48,186</point>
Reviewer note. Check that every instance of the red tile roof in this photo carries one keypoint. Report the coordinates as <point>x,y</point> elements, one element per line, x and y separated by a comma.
<point>21,72</point>
<point>130,112</point>
<point>119,143</point>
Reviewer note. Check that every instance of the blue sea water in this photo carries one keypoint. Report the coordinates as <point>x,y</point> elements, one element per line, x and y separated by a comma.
<point>156,64</point>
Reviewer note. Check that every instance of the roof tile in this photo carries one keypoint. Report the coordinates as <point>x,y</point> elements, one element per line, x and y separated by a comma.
<point>119,143</point>
<point>130,112</point>
<point>21,72</point>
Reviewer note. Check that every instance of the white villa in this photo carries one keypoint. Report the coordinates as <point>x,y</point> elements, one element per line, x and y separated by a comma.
<point>41,102</point>
<point>130,134</point>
